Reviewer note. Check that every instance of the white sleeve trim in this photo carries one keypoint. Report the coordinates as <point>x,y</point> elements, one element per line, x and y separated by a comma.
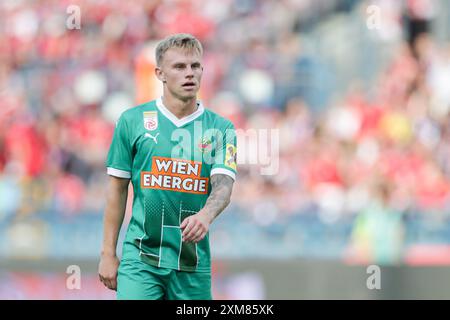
<point>223,171</point>
<point>118,173</point>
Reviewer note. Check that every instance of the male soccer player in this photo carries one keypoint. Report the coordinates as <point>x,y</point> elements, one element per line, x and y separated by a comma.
<point>181,160</point>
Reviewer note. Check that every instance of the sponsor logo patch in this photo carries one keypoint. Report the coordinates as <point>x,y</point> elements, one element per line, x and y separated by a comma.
<point>230,156</point>
<point>150,120</point>
<point>175,175</point>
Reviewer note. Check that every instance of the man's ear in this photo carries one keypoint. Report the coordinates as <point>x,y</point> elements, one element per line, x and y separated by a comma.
<point>160,74</point>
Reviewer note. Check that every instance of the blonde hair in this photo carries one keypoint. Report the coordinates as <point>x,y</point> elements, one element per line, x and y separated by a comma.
<point>180,40</point>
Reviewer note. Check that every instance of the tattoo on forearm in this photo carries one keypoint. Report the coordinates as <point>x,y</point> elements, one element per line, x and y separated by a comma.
<point>218,200</point>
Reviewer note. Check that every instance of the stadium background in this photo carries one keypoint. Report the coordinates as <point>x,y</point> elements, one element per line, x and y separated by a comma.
<point>362,114</point>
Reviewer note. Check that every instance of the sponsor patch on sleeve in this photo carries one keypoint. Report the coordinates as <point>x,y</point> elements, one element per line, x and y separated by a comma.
<point>230,156</point>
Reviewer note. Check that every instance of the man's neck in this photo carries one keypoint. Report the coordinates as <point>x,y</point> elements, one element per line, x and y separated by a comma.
<point>179,107</point>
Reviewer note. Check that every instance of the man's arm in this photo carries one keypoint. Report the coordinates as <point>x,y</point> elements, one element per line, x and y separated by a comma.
<point>196,226</point>
<point>116,202</point>
<point>219,199</point>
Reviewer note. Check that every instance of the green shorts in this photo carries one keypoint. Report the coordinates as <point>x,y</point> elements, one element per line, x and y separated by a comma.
<point>138,280</point>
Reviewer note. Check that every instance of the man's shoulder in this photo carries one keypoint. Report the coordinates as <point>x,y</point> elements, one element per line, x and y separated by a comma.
<point>138,110</point>
<point>218,120</point>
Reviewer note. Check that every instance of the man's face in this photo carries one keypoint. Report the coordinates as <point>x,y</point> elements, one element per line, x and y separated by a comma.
<point>182,70</point>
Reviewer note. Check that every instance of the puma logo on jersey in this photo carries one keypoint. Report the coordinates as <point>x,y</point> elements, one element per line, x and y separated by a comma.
<point>148,135</point>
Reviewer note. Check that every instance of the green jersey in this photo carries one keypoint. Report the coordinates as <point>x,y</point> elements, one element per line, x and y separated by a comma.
<point>170,162</point>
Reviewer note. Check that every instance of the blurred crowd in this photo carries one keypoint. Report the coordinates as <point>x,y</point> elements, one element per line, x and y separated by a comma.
<point>340,151</point>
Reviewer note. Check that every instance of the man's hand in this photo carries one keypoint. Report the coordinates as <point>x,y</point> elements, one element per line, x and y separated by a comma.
<point>116,203</point>
<point>107,270</point>
<point>195,227</point>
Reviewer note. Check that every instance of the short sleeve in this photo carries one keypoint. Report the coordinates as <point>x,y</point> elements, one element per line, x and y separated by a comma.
<point>119,159</point>
<point>226,153</point>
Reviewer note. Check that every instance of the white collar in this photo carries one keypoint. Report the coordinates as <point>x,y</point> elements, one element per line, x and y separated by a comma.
<point>179,122</point>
